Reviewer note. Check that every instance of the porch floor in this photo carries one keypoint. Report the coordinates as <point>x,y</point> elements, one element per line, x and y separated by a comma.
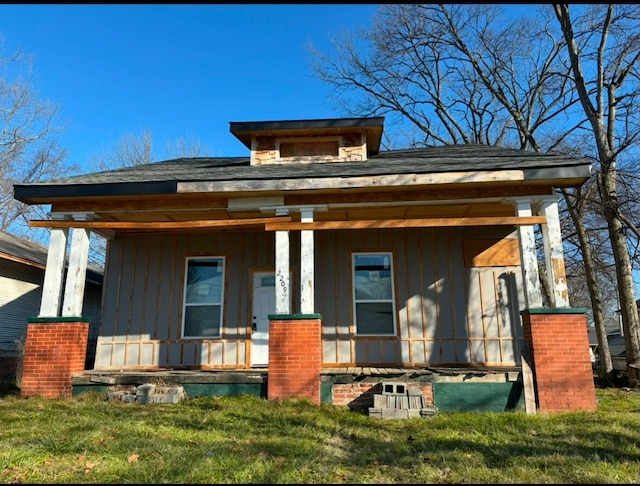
<point>259,375</point>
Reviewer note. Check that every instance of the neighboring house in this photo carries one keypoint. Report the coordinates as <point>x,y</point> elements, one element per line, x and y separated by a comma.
<point>22,269</point>
<point>418,261</point>
<point>617,346</point>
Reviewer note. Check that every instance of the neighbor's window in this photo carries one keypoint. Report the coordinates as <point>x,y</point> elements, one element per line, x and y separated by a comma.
<point>373,294</point>
<point>204,285</point>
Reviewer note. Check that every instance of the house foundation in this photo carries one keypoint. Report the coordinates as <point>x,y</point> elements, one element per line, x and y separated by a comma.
<point>55,350</point>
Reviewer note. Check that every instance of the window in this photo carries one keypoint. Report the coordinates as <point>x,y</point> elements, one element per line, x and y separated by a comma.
<point>317,148</point>
<point>204,285</point>
<point>374,308</point>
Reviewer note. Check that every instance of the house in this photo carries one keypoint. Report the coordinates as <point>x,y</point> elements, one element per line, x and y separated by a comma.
<point>22,269</point>
<point>617,345</point>
<point>320,266</point>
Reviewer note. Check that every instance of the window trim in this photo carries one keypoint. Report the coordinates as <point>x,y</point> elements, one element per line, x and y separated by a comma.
<point>185,304</point>
<point>356,301</point>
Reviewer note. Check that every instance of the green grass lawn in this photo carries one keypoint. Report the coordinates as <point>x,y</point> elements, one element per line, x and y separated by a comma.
<point>248,439</point>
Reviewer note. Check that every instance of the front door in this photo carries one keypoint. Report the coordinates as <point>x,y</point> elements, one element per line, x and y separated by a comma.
<point>264,303</point>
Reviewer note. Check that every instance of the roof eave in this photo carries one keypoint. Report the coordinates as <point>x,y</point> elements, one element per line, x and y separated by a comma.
<point>45,193</point>
<point>372,126</point>
<point>564,176</point>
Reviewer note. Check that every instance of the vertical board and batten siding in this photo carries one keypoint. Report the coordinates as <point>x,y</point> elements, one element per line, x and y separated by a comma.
<point>447,313</point>
<point>142,315</point>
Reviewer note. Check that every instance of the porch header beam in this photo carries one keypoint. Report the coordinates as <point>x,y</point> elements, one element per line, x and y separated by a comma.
<point>407,223</point>
<point>155,224</point>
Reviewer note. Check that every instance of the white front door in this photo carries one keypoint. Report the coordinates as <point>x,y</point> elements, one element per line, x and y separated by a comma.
<point>264,303</point>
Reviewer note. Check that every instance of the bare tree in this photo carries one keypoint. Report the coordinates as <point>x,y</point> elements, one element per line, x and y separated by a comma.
<point>129,151</point>
<point>191,147</point>
<point>448,76</point>
<point>132,150</point>
<point>603,47</point>
<point>466,74</point>
<point>29,151</point>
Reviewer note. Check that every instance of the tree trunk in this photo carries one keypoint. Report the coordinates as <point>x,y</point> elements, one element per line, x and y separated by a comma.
<point>628,307</point>
<point>606,365</point>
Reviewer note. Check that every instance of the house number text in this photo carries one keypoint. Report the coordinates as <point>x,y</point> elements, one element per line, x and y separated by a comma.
<point>282,281</point>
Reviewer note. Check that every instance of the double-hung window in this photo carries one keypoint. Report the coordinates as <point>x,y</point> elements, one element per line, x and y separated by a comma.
<point>373,294</point>
<point>203,297</point>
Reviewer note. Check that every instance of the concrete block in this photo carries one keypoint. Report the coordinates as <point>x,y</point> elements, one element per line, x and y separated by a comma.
<point>379,401</point>
<point>401,414</point>
<point>416,402</point>
<point>145,390</point>
<point>375,412</point>
<point>428,412</point>
<point>388,413</point>
<point>393,388</point>
<point>115,396</point>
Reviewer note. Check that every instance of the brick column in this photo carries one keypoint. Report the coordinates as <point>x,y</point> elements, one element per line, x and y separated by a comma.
<point>295,356</point>
<point>559,346</point>
<point>55,350</point>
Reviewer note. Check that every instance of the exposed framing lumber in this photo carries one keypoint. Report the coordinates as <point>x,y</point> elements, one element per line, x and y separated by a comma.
<point>159,225</point>
<point>408,223</point>
<point>284,223</point>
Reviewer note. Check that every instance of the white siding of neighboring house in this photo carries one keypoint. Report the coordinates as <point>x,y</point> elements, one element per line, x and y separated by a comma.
<point>20,293</point>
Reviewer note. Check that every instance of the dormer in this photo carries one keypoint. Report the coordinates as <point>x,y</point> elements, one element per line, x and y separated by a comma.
<point>310,141</point>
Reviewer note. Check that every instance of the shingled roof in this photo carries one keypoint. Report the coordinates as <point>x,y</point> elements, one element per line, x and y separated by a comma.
<point>163,177</point>
<point>29,252</point>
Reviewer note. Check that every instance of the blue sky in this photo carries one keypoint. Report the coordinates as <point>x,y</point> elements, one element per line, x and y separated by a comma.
<point>176,71</point>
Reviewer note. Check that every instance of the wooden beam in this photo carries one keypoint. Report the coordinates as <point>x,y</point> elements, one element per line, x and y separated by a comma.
<point>407,223</point>
<point>508,176</point>
<point>155,225</point>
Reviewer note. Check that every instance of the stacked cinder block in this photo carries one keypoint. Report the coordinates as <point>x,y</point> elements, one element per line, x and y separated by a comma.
<point>397,401</point>
<point>150,393</point>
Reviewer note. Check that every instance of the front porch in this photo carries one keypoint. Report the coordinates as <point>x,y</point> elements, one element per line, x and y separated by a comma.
<point>549,380</point>
<point>448,389</point>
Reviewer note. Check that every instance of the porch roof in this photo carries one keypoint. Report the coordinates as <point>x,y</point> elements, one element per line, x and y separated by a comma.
<point>391,169</point>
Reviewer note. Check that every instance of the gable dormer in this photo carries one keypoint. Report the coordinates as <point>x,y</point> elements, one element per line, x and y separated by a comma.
<point>307,141</point>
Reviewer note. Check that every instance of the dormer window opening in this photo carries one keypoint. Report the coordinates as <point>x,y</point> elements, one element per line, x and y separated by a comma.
<point>302,148</point>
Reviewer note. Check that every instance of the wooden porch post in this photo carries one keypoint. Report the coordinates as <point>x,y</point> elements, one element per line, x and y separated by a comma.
<point>283,285</point>
<point>526,239</point>
<point>76,273</point>
<point>554,255</point>
<point>306,264</point>
<point>54,273</point>
<point>532,297</point>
